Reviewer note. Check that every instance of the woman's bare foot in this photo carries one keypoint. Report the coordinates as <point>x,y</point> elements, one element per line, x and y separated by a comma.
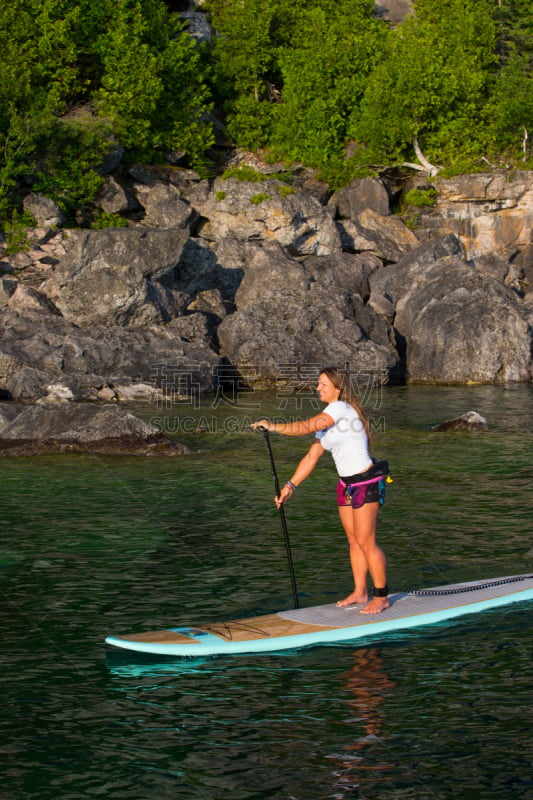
<point>352,600</point>
<point>376,605</point>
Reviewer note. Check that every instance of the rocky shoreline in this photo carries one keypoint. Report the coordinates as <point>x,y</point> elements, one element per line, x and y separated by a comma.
<point>264,281</point>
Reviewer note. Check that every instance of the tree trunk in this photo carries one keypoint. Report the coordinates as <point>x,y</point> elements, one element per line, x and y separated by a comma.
<point>424,165</point>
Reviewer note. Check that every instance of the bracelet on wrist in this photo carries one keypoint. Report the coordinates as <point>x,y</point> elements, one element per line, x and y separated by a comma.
<point>291,484</point>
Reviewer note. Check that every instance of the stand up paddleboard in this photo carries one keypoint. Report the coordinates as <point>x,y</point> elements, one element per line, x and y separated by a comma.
<point>319,625</point>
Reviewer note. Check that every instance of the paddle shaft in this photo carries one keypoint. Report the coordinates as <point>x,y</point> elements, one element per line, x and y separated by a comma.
<point>283,520</point>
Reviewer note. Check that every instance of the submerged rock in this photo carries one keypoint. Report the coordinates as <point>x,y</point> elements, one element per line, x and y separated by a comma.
<point>471,421</point>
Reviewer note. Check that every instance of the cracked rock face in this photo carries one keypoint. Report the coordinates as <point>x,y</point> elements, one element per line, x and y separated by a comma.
<point>260,276</point>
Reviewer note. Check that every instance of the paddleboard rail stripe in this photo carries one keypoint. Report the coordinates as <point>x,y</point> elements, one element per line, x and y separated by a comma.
<point>471,587</point>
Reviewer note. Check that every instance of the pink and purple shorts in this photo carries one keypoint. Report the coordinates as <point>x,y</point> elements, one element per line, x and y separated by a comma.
<point>366,487</point>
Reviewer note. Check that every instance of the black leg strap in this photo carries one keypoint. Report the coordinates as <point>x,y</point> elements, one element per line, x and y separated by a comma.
<point>381,592</point>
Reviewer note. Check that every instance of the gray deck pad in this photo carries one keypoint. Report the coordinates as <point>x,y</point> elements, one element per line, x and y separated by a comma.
<point>406,604</point>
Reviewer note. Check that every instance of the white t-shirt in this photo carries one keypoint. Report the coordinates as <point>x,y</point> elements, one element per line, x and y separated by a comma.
<point>346,439</point>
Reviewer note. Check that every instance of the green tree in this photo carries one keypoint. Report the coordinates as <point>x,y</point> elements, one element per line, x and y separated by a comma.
<point>432,83</point>
<point>509,112</point>
<point>514,21</point>
<point>290,75</point>
<point>152,88</point>
<point>38,76</point>
<point>324,72</point>
<point>245,64</point>
<point>131,84</point>
<point>38,67</point>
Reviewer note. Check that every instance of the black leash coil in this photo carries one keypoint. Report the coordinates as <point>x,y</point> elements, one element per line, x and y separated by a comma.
<point>473,588</point>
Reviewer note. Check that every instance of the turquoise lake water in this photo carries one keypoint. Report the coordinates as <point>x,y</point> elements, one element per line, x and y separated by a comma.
<point>94,545</point>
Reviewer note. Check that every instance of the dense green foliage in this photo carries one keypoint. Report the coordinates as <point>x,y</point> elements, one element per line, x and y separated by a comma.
<point>303,83</point>
<point>325,72</point>
<point>300,80</point>
<point>442,81</point>
<point>291,76</point>
<point>79,79</point>
<point>426,88</point>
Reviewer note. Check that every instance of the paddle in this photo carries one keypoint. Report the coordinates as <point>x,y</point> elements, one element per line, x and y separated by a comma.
<point>283,520</point>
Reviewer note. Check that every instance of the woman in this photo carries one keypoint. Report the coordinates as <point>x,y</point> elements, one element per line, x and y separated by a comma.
<point>343,429</point>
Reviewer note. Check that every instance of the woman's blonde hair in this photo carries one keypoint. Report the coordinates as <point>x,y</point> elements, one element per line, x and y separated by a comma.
<point>341,381</point>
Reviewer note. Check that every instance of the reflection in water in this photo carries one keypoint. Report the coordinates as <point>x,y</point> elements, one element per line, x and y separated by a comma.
<point>125,664</point>
<point>368,683</point>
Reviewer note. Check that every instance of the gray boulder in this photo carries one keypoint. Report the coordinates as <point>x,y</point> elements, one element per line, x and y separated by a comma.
<point>347,271</point>
<point>461,326</point>
<point>493,265</point>
<point>387,237</point>
<point>388,285</point>
<point>393,10</point>
<point>197,23</point>
<point>358,196</point>
<point>43,209</point>
<point>269,269</point>
<point>203,267</point>
<point>26,383</point>
<point>113,198</point>
<point>8,412</point>
<point>199,328</point>
<point>306,312</point>
<point>246,211</point>
<point>119,277</point>
<point>105,429</point>
<point>8,286</point>
<point>25,299</point>
<point>282,327</point>
<point>211,302</point>
<point>164,207</point>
